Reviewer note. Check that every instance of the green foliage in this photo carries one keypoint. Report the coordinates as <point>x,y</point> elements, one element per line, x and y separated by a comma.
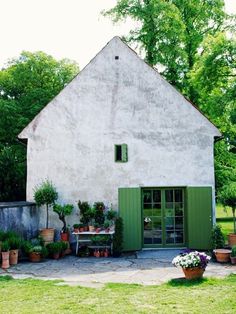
<point>217,238</point>
<point>45,194</point>
<point>111,214</point>
<point>84,212</point>
<point>228,198</point>
<point>63,211</point>
<point>5,246</point>
<point>171,32</point>
<point>76,226</point>
<point>106,224</point>
<point>99,216</point>
<point>118,237</point>
<point>39,249</point>
<point>100,239</point>
<point>27,84</point>
<point>15,243</point>
<point>2,235</point>
<point>54,247</point>
<point>233,251</point>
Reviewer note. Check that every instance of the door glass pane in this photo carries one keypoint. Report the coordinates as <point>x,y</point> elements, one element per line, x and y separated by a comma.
<point>156,223</point>
<point>156,209</point>
<point>157,237</point>
<point>178,195</point>
<point>157,196</point>
<point>169,195</point>
<point>147,196</point>
<point>179,209</point>
<point>179,223</point>
<point>179,236</point>
<point>170,237</point>
<point>147,234</point>
<point>170,223</point>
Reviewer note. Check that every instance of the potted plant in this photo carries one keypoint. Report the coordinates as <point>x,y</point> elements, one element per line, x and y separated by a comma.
<point>84,214</point>
<point>5,254</point>
<point>106,225</point>
<point>99,209</point>
<point>81,228</point>
<point>233,255</point>
<point>54,249</point>
<point>227,197</point>
<point>46,194</point>
<point>64,248</point>
<point>63,211</point>
<point>37,253</point>
<point>193,264</point>
<point>76,228</point>
<point>15,244</point>
<point>97,227</point>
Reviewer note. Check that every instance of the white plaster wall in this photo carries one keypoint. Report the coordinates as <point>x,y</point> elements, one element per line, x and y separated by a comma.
<point>71,141</point>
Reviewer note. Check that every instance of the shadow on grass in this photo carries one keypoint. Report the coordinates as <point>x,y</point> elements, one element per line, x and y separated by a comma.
<point>182,282</point>
<point>5,278</point>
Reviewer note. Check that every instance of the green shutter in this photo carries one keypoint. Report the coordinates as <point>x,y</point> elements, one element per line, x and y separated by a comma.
<point>130,211</point>
<point>199,217</point>
<point>124,151</point>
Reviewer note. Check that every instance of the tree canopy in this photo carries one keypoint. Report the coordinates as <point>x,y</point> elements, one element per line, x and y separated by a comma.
<point>27,84</point>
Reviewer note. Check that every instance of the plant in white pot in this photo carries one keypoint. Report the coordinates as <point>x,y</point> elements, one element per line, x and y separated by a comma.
<point>45,195</point>
<point>227,197</point>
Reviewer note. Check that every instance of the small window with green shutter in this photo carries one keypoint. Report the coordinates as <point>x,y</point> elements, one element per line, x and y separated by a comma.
<point>121,153</point>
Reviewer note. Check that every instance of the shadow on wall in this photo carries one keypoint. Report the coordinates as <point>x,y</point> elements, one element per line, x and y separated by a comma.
<point>21,217</point>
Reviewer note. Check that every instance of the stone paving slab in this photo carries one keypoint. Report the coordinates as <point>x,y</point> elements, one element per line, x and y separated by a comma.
<point>95,272</point>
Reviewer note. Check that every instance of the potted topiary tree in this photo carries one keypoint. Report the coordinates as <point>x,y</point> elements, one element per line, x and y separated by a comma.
<point>63,211</point>
<point>227,197</point>
<point>46,194</point>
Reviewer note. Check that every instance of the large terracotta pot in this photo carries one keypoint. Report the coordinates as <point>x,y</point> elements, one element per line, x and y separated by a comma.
<point>13,257</point>
<point>47,235</point>
<point>193,273</point>
<point>35,257</point>
<point>232,239</point>
<point>222,255</point>
<point>5,260</point>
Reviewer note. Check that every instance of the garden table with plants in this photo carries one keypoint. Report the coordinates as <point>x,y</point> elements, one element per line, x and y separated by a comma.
<point>92,233</point>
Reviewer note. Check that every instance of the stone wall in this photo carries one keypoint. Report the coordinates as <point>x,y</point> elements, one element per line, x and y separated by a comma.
<point>21,217</point>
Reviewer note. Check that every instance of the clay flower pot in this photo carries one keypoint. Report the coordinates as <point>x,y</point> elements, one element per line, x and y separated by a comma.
<point>5,260</point>
<point>232,239</point>
<point>76,230</point>
<point>56,255</point>
<point>47,235</point>
<point>233,260</point>
<point>222,255</point>
<point>65,236</point>
<point>91,228</point>
<point>13,257</point>
<point>193,273</point>
<point>35,257</point>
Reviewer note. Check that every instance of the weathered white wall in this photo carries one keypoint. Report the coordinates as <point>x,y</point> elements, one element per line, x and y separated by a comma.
<point>71,141</point>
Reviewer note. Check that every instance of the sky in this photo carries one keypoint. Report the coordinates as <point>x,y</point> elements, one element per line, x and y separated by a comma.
<point>72,29</point>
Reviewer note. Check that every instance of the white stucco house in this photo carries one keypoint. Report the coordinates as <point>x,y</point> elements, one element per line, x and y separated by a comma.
<point>121,134</point>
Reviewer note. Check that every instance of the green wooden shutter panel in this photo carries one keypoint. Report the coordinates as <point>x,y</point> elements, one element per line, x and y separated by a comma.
<point>199,217</point>
<point>130,211</point>
<point>124,150</point>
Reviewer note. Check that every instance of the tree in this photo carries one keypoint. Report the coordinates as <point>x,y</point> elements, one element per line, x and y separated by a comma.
<point>170,32</point>
<point>45,194</point>
<point>214,81</point>
<point>228,198</point>
<point>27,84</point>
<point>63,211</point>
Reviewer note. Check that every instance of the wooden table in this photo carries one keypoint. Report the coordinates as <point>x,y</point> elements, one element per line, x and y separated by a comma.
<point>89,233</point>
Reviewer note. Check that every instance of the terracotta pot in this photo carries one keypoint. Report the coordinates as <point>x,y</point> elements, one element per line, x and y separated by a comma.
<point>232,239</point>
<point>107,230</point>
<point>233,260</point>
<point>13,257</point>
<point>65,236</point>
<point>47,235</point>
<point>56,255</point>
<point>76,230</point>
<point>86,228</point>
<point>91,228</point>
<point>35,257</point>
<point>5,260</point>
<point>81,229</point>
<point>222,255</point>
<point>193,273</point>
<point>106,253</point>
<point>98,230</point>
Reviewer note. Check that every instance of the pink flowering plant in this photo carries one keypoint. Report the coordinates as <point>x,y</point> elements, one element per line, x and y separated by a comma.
<point>191,260</point>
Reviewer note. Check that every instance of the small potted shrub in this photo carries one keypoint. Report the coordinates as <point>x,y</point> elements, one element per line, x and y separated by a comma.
<point>46,194</point>
<point>193,264</point>
<point>76,228</point>
<point>37,253</point>
<point>99,210</point>
<point>64,247</point>
<point>54,249</point>
<point>15,244</point>
<point>81,228</point>
<point>107,225</point>
<point>97,227</point>
<point>233,255</point>
<point>63,211</point>
<point>221,254</point>
<point>84,214</point>
<point>5,247</point>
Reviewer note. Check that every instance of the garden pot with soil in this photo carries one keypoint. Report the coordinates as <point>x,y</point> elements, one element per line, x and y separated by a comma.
<point>13,257</point>
<point>222,255</point>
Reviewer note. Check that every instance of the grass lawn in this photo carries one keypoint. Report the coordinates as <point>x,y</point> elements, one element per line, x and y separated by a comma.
<point>224,219</point>
<point>36,296</point>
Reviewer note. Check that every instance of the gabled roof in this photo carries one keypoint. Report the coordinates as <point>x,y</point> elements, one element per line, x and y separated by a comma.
<point>33,124</point>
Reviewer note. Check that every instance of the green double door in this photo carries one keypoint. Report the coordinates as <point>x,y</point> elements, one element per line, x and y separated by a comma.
<point>163,215</point>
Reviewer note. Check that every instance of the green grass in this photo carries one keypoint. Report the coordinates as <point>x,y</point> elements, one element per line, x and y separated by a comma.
<point>225,220</point>
<point>223,212</point>
<point>178,296</point>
